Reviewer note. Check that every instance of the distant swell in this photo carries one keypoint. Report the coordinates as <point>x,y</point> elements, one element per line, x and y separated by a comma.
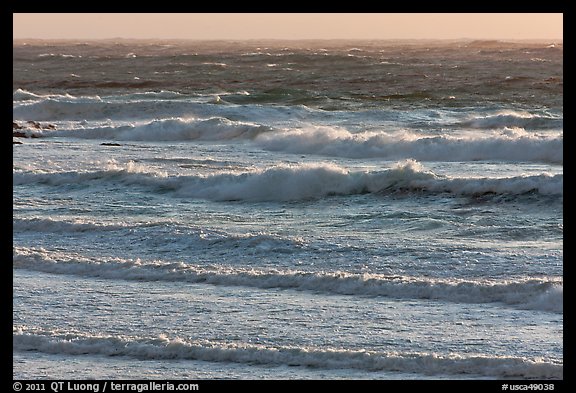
<point>302,182</point>
<point>534,294</point>
<point>165,348</point>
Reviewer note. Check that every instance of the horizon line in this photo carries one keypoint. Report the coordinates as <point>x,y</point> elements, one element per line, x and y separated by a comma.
<point>504,40</point>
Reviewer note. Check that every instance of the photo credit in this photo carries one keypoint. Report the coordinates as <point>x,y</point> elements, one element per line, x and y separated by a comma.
<point>104,386</point>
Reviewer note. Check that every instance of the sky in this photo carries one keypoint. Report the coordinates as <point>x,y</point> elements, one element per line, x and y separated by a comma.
<point>512,26</point>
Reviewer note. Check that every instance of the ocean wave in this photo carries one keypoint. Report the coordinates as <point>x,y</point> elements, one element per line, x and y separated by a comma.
<point>174,129</point>
<point>58,55</point>
<point>141,106</point>
<point>51,225</point>
<point>542,294</point>
<point>25,95</point>
<point>168,234</point>
<point>251,107</point>
<point>514,119</point>
<point>302,182</point>
<point>54,107</point>
<point>508,145</point>
<point>163,347</point>
<point>51,109</point>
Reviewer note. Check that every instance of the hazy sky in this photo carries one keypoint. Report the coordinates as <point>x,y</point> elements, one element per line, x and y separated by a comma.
<point>290,26</point>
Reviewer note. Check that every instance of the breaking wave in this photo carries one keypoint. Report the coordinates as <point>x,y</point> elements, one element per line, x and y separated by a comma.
<point>509,145</point>
<point>302,182</point>
<point>163,347</point>
<point>543,294</point>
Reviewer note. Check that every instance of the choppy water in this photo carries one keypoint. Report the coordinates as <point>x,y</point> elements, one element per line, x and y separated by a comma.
<point>330,209</point>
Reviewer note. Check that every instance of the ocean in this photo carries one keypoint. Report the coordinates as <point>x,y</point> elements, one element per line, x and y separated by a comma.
<point>287,210</point>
